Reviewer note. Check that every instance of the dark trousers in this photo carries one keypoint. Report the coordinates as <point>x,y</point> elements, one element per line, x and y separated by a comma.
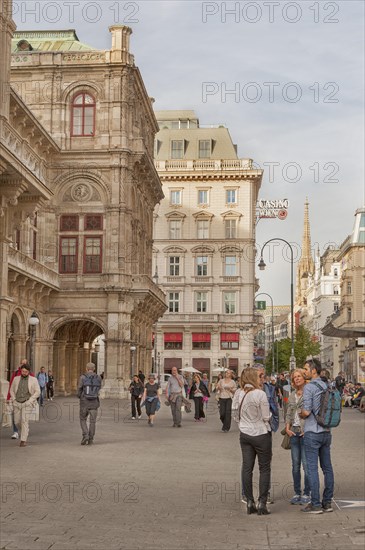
<point>50,392</point>
<point>225,412</point>
<point>136,400</point>
<point>84,413</point>
<point>199,408</point>
<point>260,445</point>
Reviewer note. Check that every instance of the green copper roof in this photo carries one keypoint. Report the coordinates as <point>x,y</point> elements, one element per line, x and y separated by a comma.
<point>48,41</point>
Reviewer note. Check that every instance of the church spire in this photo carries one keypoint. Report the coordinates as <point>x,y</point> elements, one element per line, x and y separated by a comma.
<point>306,264</point>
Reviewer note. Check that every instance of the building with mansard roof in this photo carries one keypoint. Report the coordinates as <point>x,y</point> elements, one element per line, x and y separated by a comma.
<point>204,246</point>
<point>78,188</point>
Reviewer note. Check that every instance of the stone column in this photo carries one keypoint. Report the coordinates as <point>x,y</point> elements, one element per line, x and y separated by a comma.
<point>59,362</point>
<point>74,367</point>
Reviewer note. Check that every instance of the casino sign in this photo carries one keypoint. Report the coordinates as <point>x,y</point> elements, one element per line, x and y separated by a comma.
<point>277,208</point>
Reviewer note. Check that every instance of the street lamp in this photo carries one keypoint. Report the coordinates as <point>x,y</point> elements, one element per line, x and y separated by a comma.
<point>272,327</point>
<point>33,322</point>
<point>133,349</point>
<point>158,365</point>
<point>262,266</point>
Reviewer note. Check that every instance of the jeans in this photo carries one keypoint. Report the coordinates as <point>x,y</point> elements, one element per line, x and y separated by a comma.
<point>176,410</point>
<point>41,395</point>
<point>225,412</point>
<point>136,400</point>
<point>50,391</point>
<point>298,459</point>
<point>260,445</point>
<point>199,410</point>
<point>318,445</point>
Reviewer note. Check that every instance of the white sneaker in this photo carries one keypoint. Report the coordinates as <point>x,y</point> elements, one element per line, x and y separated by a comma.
<point>140,416</point>
<point>15,436</point>
<point>133,417</point>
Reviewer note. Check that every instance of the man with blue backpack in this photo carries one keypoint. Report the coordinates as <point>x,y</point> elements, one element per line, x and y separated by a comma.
<point>88,393</point>
<point>322,411</point>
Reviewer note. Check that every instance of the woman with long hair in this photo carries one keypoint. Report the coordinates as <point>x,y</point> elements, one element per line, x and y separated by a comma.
<point>294,427</point>
<point>226,389</point>
<point>255,437</point>
<point>198,390</point>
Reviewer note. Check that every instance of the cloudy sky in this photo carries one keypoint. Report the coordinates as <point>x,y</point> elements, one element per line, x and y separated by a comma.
<point>286,78</point>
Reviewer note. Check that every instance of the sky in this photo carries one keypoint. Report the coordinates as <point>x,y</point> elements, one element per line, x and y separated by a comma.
<point>286,78</point>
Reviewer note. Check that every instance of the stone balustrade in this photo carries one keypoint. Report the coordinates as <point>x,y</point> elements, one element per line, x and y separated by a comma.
<point>31,268</point>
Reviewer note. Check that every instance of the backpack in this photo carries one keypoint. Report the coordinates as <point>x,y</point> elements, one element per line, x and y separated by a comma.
<point>329,414</point>
<point>91,386</point>
<point>273,403</point>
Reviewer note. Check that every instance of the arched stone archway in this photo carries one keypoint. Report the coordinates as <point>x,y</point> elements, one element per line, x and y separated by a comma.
<point>72,342</point>
<point>16,341</point>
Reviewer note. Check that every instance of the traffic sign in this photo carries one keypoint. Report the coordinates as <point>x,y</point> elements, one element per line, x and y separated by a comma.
<point>261,305</point>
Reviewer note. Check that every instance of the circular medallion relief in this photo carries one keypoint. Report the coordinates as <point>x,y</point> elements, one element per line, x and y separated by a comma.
<point>81,192</point>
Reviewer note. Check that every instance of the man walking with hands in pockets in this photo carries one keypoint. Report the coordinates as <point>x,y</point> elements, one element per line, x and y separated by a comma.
<point>174,394</point>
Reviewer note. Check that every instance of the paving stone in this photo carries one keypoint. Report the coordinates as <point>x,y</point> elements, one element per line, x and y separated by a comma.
<point>162,486</point>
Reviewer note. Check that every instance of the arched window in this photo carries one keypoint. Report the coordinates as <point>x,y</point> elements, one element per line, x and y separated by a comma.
<point>83,115</point>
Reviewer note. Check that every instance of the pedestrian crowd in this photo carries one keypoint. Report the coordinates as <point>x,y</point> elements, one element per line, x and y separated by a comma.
<point>307,396</point>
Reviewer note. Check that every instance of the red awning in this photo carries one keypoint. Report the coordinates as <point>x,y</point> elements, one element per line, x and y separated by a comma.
<point>201,337</point>
<point>173,337</point>
<point>230,337</point>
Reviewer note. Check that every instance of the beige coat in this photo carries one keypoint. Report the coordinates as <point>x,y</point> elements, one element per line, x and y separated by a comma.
<point>33,388</point>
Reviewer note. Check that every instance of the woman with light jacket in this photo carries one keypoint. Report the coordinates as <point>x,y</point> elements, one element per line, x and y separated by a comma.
<point>253,414</point>
<point>294,426</point>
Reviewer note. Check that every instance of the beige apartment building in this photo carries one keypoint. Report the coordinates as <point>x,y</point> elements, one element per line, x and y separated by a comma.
<point>348,323</point>
<point>204,246</point>
<point>78,188</point>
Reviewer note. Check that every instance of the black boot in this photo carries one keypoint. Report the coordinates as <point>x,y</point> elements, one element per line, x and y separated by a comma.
<point>262,509</point>
<point>251,507</point>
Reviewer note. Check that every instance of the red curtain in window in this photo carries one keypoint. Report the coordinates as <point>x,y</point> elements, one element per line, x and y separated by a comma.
<point>173,337</point>
<point>230,337</point>
<point>200,337</point>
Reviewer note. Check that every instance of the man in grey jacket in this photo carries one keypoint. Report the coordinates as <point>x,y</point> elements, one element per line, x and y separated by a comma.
<point>88,393</point>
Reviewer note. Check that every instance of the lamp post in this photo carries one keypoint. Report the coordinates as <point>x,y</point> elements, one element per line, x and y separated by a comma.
<point>33,322</point>
<point>133,350</point>
<point>262,266</point>
<point>158,366</point>
<point>272,327</point>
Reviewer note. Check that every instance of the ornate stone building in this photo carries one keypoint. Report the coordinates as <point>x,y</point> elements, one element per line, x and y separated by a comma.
<point>78,188</point>
<point>204,243</point>
<point>348,323</point>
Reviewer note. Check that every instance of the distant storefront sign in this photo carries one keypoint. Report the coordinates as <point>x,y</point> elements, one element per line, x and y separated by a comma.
<point>277,208</point>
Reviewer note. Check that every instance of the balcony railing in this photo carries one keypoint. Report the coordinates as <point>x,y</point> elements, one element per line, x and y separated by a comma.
<point>32,269</point>
<point>205,165</point>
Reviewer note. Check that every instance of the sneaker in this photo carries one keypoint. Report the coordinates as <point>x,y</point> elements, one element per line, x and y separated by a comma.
<point>15,436</point>
<point>179,425</point>
<point>244,499</point>
<point>310,509</point>
<point>297,500</point>
<point>140,416</point>
<point>270,499</point>
<point>91,441</point>
<point>84,440</point>
<point>133,417</point>
<point>305,499</point>
<point>327,507</point>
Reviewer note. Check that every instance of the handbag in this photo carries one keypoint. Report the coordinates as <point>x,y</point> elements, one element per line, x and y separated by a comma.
<point>286,443</point>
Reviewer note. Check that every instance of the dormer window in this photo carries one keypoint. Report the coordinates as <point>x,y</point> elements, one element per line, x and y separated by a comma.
<point>83,115</point>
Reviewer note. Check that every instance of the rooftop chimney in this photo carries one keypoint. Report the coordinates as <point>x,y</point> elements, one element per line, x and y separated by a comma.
<point>120,44</point>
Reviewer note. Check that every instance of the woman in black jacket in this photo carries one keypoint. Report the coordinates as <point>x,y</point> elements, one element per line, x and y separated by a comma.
<point>136,388</point>
<point>198,390</point>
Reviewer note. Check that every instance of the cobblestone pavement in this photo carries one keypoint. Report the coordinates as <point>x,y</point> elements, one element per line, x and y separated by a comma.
<point>163,488</point>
